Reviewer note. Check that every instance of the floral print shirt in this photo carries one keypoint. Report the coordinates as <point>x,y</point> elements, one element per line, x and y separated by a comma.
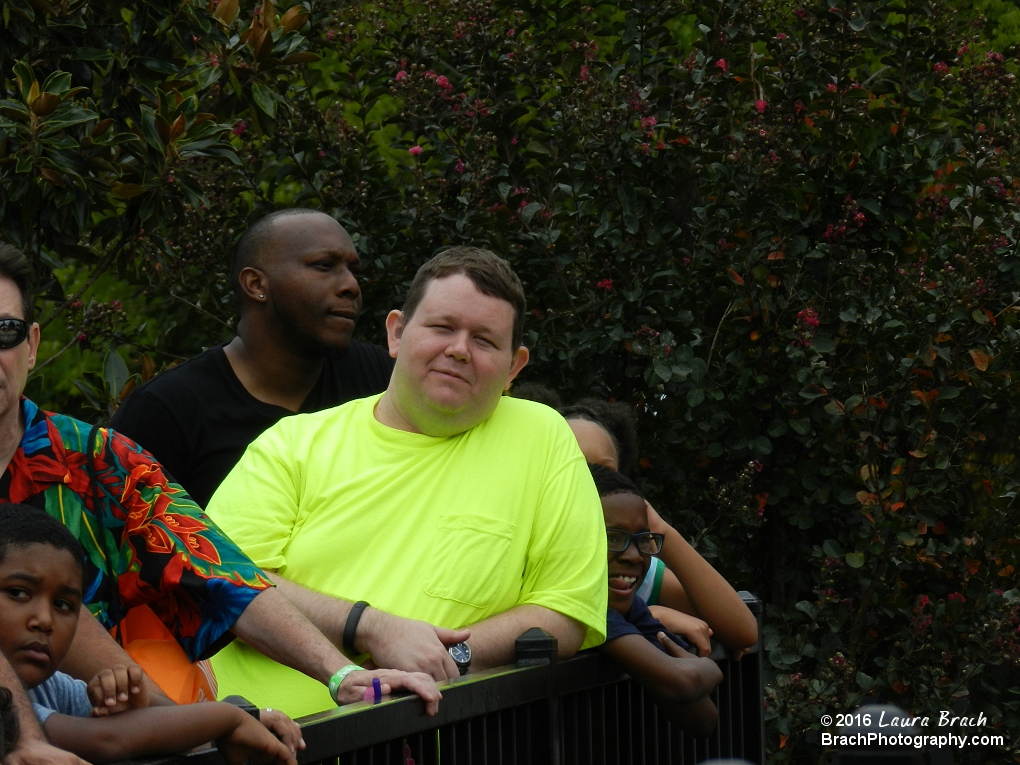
<point>146,541</point>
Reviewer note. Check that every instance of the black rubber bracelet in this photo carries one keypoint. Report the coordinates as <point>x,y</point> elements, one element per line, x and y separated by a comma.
<point>352,626</point>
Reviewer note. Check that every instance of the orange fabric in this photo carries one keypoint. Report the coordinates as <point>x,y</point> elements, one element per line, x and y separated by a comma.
<point>152,646</point>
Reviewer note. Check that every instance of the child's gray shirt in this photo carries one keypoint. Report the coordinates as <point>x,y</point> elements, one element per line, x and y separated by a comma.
<point>61,694</point>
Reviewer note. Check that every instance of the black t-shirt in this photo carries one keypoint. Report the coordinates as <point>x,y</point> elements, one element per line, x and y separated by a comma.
<point>639,621</point>
<point>197,418</point>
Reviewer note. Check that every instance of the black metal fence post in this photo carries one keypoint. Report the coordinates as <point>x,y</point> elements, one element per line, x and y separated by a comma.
<point>537,647</point>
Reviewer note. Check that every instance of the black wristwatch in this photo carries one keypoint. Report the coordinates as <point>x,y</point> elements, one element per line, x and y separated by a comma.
<point>461,655</point>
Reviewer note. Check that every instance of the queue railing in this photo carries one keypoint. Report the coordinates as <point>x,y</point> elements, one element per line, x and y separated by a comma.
<point>539,711</point>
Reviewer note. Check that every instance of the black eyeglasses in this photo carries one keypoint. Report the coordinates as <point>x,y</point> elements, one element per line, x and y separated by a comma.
<point>647,543</point>
<point>12,332</point>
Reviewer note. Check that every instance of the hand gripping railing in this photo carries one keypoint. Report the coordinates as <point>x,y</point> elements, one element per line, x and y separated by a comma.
<point>542,711</point>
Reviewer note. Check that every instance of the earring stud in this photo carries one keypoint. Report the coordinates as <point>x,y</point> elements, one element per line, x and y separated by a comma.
<point>261,296</point>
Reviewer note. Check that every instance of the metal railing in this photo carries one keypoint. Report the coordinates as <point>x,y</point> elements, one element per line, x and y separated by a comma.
<point>542,711</point>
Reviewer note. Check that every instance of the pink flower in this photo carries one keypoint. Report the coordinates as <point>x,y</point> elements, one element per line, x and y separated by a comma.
<point>941,68</point>
<point>330,34</point>
<point>648,123</point>
<point>958,597</point>
<point>721,64</point>
<point>459,166</point>
<point>400,75</point>
<point>584,72</point>
<point>322,153</point>
<point>808,318</point>
<point>414,151</point>
<point>759,105</point>
<point>510,32</point>
<point>240,127</point>
<point>781,36</point>
<point>443,83</point>
<point>605,284</point>
<point>923,601</point>
<point>831,87</point>
<point>800,13</point>
<point>116,305</point>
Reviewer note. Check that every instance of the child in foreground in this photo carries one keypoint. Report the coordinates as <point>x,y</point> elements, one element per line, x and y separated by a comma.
<point>41,575</point>
<point>681,682</point>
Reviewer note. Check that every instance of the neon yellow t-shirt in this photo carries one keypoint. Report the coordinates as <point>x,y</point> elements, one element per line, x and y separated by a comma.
<point>447,530</point>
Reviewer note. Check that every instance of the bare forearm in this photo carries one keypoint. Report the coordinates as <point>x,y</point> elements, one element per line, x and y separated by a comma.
<point>328,614</point>
<point>492,641</point>
<point>710,595</point>
<point>142,732</point>
<point>93,650</point>
<point>275,626</point>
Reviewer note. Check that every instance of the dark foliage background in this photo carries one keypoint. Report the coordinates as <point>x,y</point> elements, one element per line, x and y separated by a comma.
<point>786,234</point>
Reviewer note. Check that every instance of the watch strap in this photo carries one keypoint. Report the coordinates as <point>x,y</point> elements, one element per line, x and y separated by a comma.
<point>351,627</point>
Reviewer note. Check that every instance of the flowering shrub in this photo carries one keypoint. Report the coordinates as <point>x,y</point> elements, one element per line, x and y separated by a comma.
<point>787,237</point>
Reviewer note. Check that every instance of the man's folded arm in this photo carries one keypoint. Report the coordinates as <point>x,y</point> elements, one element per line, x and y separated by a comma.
<point>493,640</point>
<point>393,642</point>
<point>274,626</point>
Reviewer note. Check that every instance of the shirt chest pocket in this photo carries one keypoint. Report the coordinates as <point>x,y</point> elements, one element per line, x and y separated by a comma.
<point>471,559</point>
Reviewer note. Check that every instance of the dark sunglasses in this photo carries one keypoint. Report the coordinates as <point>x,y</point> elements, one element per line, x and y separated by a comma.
<point>12,332</point>
<point>647,543</point>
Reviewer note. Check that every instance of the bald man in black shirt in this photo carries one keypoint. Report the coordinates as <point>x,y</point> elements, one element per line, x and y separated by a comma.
<point>295,277</point>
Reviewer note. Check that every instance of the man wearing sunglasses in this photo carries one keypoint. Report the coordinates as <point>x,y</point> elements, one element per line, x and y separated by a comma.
<point>146,541</point>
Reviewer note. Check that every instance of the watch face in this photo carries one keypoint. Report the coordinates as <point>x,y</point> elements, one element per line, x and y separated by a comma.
<point>461,653</point>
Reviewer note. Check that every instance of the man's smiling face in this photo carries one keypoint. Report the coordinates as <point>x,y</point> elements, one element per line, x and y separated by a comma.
<point>454,357</point>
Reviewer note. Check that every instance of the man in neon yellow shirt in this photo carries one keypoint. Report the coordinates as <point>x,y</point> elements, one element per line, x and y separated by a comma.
<point>460,515</point>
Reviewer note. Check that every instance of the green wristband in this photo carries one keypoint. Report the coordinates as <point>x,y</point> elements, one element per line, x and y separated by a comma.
<point>338,678</point>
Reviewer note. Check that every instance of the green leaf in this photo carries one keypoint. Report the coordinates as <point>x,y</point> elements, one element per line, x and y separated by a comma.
<point>858,23</point>
<point>662,370</point>
<point>865,682</point>
<point>529,211</point>
<point>807,607</point>
<point>855,559</point>
<point>115,374</point>
<point>695,397</point>
<point>264,99</point>
<point>801,425</point>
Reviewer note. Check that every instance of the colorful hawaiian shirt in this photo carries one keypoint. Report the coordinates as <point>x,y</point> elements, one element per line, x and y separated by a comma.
<point>146,540</point>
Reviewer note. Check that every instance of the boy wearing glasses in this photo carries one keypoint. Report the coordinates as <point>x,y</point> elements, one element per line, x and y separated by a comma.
<point>680,681</point>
